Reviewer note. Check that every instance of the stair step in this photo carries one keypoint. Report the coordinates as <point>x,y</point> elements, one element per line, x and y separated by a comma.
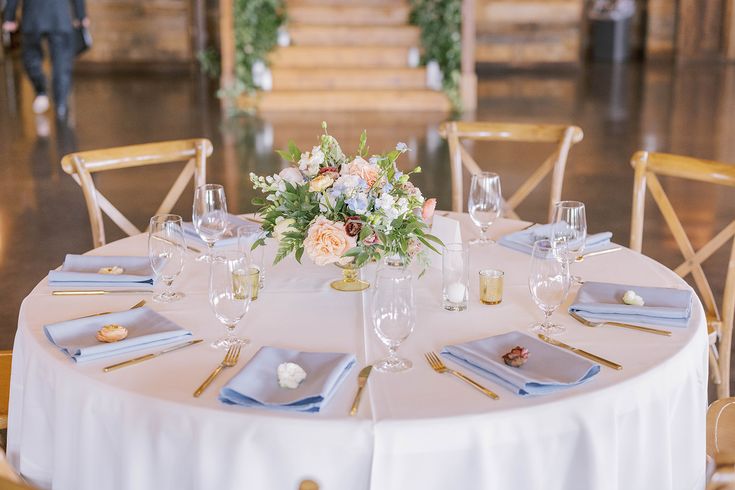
<point>348,78</point>
<point>297,3</point>
<point>307,34</point>
<point>353,100</point>
<point>339,57</point>
<point>349,14</point>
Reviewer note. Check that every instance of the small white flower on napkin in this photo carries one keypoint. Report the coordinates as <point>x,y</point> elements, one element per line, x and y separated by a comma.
<point>632,298</point>
<point>290,375</point>
<point>113,270</point>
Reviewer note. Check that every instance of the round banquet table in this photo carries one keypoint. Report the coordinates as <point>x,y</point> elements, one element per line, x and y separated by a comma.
<point>72,426</point>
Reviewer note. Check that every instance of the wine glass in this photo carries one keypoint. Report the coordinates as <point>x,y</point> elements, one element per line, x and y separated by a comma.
<point>394,315</point>
<point>569,227</point>
<point>209,216</point>
<point>166,251</point>
<point>229,294</point>
<point>484,203</point>
<point>548,282</point>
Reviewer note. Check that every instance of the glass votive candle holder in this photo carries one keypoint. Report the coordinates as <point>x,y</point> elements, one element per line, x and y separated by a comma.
<point>455,277</point>
<point>254,280</point>
<point>491,286</point>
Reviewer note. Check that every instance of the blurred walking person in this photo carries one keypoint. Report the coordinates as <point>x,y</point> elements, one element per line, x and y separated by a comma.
<point>53,20</point>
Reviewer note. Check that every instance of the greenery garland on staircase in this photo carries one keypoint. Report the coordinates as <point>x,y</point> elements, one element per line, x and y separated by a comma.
<point>441,22</point>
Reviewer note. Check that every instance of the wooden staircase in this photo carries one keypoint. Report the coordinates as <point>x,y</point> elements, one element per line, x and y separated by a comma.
<point>349,55</point>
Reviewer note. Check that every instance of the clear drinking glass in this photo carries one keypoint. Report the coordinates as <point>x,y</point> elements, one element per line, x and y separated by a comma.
<point>229,294</point>
<point>166,251</point>
<point>548,282</point>
<point>394,315</point>
<point>209,216</point>
<point>484,203</point>
<point>247,235</point>
<point>569,228</point>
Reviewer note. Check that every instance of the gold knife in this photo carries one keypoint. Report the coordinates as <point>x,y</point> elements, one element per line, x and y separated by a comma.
<point>590,323</point>
<point>580,352</point>
<point>97,292</point>
<point>136,360</point>
<point>361,382</point>
<point>580,258</point>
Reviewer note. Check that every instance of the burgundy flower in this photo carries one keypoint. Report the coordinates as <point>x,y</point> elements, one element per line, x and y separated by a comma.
<point>330,171</point>
<point>371,240</point>
<point>353,225</point>
<point>517,356</point>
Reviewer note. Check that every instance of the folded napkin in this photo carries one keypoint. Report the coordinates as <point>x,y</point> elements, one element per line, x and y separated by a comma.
<point>663,306</point>
<point>82,271</point>
<point>522,241</point>
<point>547,370</point>
<point>228,239</point>
<point>256,385</point>
<point>146,328</point>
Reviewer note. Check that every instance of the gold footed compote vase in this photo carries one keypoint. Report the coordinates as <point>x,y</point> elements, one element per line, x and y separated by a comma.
<point>350,279</point>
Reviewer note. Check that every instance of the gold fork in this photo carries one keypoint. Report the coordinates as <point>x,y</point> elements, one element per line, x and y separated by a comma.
<point>438,365</point>
<point>233,354</point>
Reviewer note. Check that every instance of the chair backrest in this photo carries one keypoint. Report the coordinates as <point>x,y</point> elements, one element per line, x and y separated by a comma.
<point>648,166</point>
<point>563,136</point>
<point>82,165</point>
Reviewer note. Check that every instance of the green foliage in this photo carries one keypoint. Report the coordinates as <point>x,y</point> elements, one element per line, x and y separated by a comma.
<point>210,61</point>
<point>440,22</point>
<point>256,33</point>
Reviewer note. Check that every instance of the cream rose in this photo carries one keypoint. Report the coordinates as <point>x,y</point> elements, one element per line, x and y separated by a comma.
<point>326,241</point>
<point>367,171</point>
<point>282,227</point>
<point>320,183</point>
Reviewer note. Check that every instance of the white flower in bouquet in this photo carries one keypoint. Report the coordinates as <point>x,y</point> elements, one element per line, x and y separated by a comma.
<point>283,226</point>
<point>292,175</point>
<point>310,162</point>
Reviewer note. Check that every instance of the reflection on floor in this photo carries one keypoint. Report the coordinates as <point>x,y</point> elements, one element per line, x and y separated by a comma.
<point>622,108</point>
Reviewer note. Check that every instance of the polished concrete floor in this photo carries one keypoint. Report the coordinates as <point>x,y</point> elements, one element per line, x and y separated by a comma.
<point>621,108</point>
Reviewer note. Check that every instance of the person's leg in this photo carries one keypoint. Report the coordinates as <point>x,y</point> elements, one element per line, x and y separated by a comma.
<point>62,60</point>
<point>32,54</point>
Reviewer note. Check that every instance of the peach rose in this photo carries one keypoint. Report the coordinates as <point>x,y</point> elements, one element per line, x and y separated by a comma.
<point>427,212</point>
<point>367,171</point>
<point>326,241</point>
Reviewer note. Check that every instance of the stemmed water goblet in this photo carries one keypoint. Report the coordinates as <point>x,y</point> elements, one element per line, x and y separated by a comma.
<point>209,216</point>
<point>166,251</point>
<point>569,228</point>
<point>394,315</point>
<point>229,294</point>
<point>548,282</point>
<point>484,204</point>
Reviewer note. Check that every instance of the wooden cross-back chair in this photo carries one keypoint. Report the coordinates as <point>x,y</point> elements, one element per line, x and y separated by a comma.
<point>82,165</point>
<point>721,443</point>
<point>648,166</point>
<point>564,137</point>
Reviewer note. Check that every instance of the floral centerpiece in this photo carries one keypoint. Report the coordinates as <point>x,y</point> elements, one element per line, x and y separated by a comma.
<point>344,210</point>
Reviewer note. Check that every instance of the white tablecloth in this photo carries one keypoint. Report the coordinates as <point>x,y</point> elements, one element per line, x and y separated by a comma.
<point>75,427</point>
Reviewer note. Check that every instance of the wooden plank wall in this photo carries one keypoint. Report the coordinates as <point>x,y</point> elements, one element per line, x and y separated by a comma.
<point>523,32</point>
<point>140,31</point>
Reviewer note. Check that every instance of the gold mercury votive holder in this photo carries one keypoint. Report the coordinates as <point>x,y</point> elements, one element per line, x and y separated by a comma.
<point>249,279</point>
<point>491,286</point>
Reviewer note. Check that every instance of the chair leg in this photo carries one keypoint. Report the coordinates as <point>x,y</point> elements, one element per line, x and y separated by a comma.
<point>714,367</point>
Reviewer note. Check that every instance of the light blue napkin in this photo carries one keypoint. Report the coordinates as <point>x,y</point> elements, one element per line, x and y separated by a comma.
<point>228,239</point>
<point>522,241</point>
<point>81,271</point>
<point>256,385</point>
<point>146,328</point>
<point>663,306</point>
<point>547,370</point>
